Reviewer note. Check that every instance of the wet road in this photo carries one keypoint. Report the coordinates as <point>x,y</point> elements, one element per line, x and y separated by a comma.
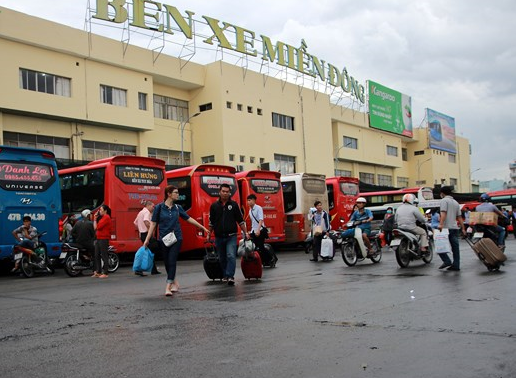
<point>302,319</point>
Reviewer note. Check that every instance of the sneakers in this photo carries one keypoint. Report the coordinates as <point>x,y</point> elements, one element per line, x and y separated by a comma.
<point>138,273</point>
<point>314,260</point>
<point>452,268</point>
<point>231,281</point>
<point>444,265</point>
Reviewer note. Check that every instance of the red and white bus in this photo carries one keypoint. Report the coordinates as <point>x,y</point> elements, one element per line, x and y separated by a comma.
<point>121,182</point>
<point>199,187</point>
<point>266,186</point>
<point>342,194</point>
<point>392,196</point>
<point>300,191</point>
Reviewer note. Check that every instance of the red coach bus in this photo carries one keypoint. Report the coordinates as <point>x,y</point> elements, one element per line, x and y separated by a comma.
<point>266,186</point>
<point>199,187</point>
<point>342,194</point>
<point>121,182</point>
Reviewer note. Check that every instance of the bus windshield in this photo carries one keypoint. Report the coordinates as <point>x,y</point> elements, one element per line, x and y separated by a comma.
<point>264,186</point>
<point>314,186</point>
<point>137,175</point>
<point>19,176</point>
<point>349,188</point>
<point>211,184</point>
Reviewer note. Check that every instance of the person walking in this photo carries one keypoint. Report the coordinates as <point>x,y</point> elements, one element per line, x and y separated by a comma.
<point>320,218</point>
<point>450,216</point>
<point>166,216</point>
<point>259,231</point>
<point>102,226</point>
<point>142,222</point>
<point>225,215</point>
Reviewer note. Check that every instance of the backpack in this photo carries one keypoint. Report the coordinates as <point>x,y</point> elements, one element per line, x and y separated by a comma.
<point>388,224</point>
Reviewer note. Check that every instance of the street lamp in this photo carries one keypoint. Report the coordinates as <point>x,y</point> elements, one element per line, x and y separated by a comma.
<point>182,127</point>
<point>470,177</point>
<point>419,164</point>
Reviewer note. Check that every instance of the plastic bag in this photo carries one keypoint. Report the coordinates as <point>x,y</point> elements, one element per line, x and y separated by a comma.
<point>245,248</point>
<point>441,241</point>
<point>143,260</point>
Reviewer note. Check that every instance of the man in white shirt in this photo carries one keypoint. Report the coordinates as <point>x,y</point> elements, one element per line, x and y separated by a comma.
<point>142,222</point>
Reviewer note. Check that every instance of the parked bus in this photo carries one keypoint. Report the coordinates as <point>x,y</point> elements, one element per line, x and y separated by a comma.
<point>342,194</point>
<point>392,196</point>
<point>29,185</point>
<point>266,186</point>
<point>123,183</point>
<point>199,187</point>
<point>300,191</point>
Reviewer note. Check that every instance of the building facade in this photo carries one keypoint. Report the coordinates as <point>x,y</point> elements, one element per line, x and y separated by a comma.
<point>86,97</point>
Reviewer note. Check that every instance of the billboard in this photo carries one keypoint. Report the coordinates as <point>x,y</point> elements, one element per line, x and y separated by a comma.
<point>389,110</point>
<point>441,130</point>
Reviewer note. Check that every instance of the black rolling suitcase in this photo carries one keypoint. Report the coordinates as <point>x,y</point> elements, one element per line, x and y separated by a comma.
<point>211,262</point>
<point>269,256</point>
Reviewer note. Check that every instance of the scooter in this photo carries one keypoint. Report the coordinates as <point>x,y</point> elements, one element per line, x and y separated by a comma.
<point>353,248</point>
<point>481,231</point>
<point>407,246</point>
<point>32,261</point>
<point>75,259</point>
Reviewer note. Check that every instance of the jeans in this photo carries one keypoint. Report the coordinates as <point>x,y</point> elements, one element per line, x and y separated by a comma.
<point>453,237</point>
<point>170,255</point>
<point>227,249</point>
<point>501,235</point>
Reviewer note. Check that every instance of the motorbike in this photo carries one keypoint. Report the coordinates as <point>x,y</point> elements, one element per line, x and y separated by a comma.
<point>76,260</point>
<point>353,248</point>
<point>407,246</point>
<point>480,231</point>
<point>32,261</point>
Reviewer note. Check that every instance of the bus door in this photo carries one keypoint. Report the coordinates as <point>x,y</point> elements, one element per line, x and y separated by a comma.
<point>342,194</point>
<point>266,186</point>
<point>29,185</point>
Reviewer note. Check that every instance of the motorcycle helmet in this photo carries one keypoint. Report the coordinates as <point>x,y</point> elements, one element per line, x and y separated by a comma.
<point>485,198</point>
<point>361,200</point>
<point>85,213</point>
<point>409,198</point>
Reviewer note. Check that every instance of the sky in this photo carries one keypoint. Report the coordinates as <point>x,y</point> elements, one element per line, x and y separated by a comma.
<point>456,57</point>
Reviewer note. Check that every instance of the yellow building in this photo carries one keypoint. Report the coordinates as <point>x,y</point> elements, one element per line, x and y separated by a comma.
<point>86,97</point>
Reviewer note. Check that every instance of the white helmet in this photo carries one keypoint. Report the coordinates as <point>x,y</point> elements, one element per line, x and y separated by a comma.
<point>85,213</point>
<point>409,198</point>
<point>361,200</point>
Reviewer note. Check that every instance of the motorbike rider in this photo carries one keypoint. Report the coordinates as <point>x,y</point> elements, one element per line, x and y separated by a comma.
<point>26,236</point>
<point>83,233</point>
<point>487,207</point>
<point>365,216</point>
<point>406,217</point>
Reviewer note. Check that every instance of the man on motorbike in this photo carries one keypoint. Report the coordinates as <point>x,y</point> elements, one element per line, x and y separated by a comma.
<point>83,233</point>
<point>406,217</point>
<point>487,207</point>
<point>26,235</point>
<point>365,216</point>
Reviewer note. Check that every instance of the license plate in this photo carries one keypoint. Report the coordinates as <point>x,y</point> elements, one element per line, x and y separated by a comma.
<point>62,255</point>
<point>18,256</point>
<point>478,235</point>
<point>395,242</point>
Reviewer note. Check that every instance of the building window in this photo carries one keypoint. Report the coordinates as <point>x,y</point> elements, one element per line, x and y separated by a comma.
<point>229,104</point>
<point>404,154</point>
<point>350,142</point>
<point>45,83</point>
<point>59,146</point>
<point>239,107</point>
<point>99,150</point>
<point>113,96</point>
<point>420,152</point>
<point>402,182</point>
<point>368,178</point>
<point>208,159</point>
<point>142,101</point>
<point>282,121</point>
<point>242,158</point>
<point>249,109</point>
<point>452,158</point>
<point>262,160</point>
<point>342,172</point>
<point>251,159</point>
<point>231,157</point>
<point>171,157</point>
<point>170,108</point>
<point>385,180</point>
<point>453,182</point>
<point>285,164</point>
<point>204,107</point>
<point>392,151</point>
<point>259,111</point>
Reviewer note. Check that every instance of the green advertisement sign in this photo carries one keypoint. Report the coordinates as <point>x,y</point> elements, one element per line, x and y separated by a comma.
<point>389,110</point>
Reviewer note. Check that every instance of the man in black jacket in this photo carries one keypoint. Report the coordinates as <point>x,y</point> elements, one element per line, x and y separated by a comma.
<point>225,215</point>
<point>83,233</point>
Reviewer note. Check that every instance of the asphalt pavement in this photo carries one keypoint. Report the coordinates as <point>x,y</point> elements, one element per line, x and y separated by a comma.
<point>302,319</point>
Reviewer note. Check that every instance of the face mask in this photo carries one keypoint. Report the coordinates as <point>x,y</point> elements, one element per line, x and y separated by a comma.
<point>389,211</point>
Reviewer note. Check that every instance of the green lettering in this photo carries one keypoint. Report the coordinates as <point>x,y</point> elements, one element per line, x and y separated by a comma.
<point>218,32</point>
<point>334,76</point>
<point>117,5</point>
<point>241,41</point>
<point>271,53</point>
<point>318,68</point>
<point>139,14</point>
<point>186,27</point>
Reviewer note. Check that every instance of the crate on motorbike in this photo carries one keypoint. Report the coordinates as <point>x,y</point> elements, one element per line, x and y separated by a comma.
<point>479,217</point>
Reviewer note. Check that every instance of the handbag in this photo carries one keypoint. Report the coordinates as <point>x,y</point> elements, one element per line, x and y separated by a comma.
<point>441,241</point>
<point>169,239</point>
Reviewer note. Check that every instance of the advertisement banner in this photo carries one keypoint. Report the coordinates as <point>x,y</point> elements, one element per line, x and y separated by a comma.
<point>441,129</point>
<point>389,110</point>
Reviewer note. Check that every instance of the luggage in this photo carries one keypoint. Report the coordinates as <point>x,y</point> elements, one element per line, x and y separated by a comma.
<point>489,253</point>
<point>269,256</point>
<point>251,265</point>
<point>327,251</point>
<point>211,263</point>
